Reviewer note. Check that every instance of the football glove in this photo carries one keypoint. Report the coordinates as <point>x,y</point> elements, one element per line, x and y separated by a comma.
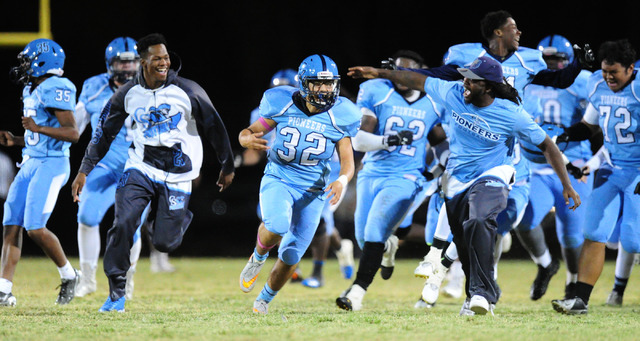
<point>584,55</point>
<point>404,137</point>
<point>637,191</point>
<point>389,64</point>
<point>575,171</point>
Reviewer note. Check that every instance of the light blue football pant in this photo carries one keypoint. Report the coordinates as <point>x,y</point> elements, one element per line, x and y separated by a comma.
<point>382,203</point>
<point>612,188</point>
<point>34,192</point>
<point>290,212</point>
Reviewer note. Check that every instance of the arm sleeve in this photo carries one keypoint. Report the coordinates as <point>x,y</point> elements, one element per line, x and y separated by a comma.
<point>366,142</point>
<point>111,120</point>
<point>447,72</point>
<point>558,78</point>
<point>213,127</point>
<point>591,115</point>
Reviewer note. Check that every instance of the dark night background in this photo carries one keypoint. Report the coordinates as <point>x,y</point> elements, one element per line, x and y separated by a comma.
<point>233,48</point>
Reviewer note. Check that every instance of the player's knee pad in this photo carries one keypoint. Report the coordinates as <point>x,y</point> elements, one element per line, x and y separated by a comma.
<point>290,256</point>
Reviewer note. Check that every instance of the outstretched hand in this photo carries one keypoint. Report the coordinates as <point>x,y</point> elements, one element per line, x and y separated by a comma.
<point>224,180</point>
<point>366,72</point>
<point>254,141</point>
<point>335,192</point>
<point>584,55</point>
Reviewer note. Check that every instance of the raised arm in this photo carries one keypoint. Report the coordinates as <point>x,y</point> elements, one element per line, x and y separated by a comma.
<point>410,79</point>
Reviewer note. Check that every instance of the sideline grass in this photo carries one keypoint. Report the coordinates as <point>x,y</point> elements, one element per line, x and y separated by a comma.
<point>202,301</point>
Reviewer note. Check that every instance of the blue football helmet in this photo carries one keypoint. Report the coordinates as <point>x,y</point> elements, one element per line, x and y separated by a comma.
<point>532,152</point>
<point>39,57</point>
<point>319,69</point>
<point>284,77</point>
<point>122,49</point>
<point>557,46</point>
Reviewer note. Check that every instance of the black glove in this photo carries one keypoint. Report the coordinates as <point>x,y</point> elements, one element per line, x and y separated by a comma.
<point>389,64</point>
<point>584,55</point>
<point>575,171</point>
<point>404,137</point>
<point>637,191</point>
<point>562,138</point>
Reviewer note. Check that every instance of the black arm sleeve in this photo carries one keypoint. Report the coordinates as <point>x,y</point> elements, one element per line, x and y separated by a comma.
<point>212,126</point>
<point>111,120</point>
<point>578,132</point>
<point>558,78</point>
<point>447,72</point>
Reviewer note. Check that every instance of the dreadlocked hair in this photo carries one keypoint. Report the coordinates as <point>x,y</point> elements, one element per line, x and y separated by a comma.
<point>505,91</point>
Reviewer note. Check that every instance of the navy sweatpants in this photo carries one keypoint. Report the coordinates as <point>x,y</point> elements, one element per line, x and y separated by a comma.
<point>472,216</point>
<point>169,212</point>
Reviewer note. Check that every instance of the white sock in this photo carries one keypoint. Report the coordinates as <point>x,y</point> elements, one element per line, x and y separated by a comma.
<point>135,253</point>
<point>543,260</point>
<point>624,263</point>
<point>89,244</point>
<point>5,285</point>
<point>571,278</point>
<point>67,272</point>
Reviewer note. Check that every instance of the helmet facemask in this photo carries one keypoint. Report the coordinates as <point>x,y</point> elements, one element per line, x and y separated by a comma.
<point>321,91</point>
<point>21,74</point>
<point>124,66</point>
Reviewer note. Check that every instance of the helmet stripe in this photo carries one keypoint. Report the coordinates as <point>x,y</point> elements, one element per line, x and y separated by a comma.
<point>324,62</point>
<point>126,43</point>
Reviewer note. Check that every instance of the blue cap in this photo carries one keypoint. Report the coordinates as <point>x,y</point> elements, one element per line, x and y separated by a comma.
<point>485,68</point>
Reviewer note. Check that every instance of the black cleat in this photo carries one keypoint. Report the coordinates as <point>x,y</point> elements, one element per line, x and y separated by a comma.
<point>541,283</point>
<point>572,306</point>
<point>68,289</point>
<point>344,303</point>
<point>386,272</point>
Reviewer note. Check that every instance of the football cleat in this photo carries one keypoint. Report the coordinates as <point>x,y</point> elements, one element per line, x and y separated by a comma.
<point>428,265</point>
<point>87,283</point>
<point>249,274</point>
<point>541,283</point>
<point>572,306</point>
<point>389,257</point>
<point>614,299</point>
<point>351,299</point>
<point>431,288</point>
<point>260,307</point>
<point>455,286</point>
<point>569,290</point>
<point>68,289</point>
<point>345,258</point>
<point>297,276</point>
<point>110,305</point>
<point>7,300</point>
<point>313,282</point>
<point>421,304</point>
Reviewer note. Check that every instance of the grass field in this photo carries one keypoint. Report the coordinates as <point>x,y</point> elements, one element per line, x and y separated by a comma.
<point>202,301</point>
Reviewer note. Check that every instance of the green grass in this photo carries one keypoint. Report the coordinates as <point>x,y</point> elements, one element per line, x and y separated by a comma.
<point>202,301</point>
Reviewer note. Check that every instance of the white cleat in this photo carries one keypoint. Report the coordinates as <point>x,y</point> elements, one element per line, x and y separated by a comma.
<point>428,265</point>
<point>351,299</point>
<point>250,273</point>
<point>345,258</point>
<point>422,305</point>
<point>260,307</point>
<point>507,241</point>
<point>431,288</point>
<point>479,305</point>
<point>614,299</point>
<point>87,283</point>
<point>128,288</point>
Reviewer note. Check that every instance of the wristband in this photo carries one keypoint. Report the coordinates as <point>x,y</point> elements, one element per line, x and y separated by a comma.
<point>343,180</point>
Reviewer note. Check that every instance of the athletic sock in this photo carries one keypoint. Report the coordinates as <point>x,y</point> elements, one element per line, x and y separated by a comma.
<point>620,285</point>
<point>89,244</point>
<point>446,261</point>
<point>267,293</point>
<point>259,257</point>
<point>5,286</point>
<point>369,263</point>
<point>67,272</point>
<point>317,269</point>
<point>583,290</point>
<point>543,260</point>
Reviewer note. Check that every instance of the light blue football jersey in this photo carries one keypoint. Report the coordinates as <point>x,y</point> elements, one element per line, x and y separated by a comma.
<point>562,108</point>
<point>395,114</point>
<point>481,138</point>
<point>53,93</point>
<point>95,94</point>
<point>619,117</point>
<point>304,144</point>
<point>518,69</point>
